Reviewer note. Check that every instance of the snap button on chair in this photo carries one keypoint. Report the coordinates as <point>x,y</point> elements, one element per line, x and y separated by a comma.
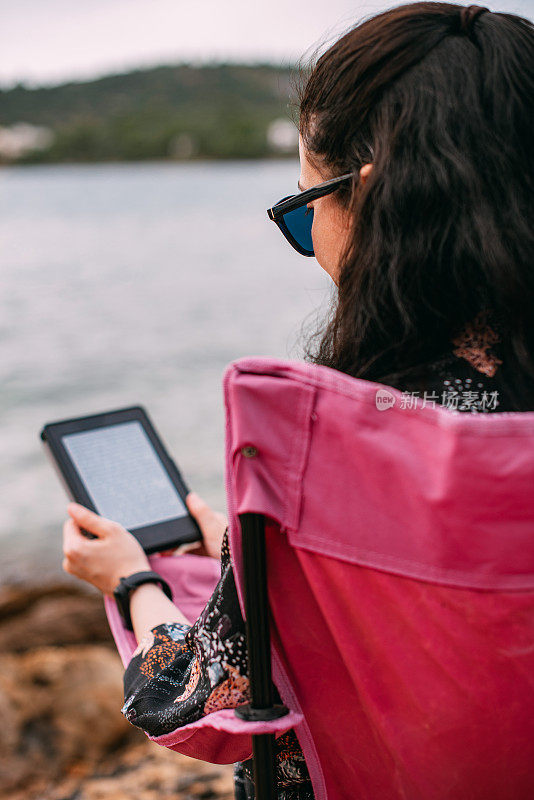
<point>391,552</point>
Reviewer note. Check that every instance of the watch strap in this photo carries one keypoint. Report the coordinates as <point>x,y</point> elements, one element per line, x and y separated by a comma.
<point>127,584</point>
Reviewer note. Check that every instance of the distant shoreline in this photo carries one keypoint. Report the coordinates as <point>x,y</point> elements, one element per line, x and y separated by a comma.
<point>179,113</point>
<point>148,161</point>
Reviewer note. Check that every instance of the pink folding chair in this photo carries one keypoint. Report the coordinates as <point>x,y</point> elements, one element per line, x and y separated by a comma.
<point>386,551</point>
<point>400,570</point>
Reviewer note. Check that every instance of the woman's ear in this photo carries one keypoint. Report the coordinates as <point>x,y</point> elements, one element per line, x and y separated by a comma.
<point>365,171</point>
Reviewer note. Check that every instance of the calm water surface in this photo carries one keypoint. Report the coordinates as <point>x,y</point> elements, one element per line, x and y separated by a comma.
<point>135,284</point>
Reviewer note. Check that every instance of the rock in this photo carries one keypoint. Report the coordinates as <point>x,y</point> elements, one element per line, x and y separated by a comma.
<point>56,620</point>
<point>143,771</point>
<point>161,774</point>
<point>18,597</point>
<point>60,705</point>
<point>62,735</point>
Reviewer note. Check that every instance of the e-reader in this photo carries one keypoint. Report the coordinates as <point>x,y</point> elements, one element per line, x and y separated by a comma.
<point>116,464</point>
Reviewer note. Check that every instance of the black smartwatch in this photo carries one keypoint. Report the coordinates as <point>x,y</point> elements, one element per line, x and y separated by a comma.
<point>127,585</point>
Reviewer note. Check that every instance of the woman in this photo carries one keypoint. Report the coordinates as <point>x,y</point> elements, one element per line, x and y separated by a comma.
<point>424,114</point>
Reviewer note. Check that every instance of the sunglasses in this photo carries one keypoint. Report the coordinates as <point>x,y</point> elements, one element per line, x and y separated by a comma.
<point>295,220</point>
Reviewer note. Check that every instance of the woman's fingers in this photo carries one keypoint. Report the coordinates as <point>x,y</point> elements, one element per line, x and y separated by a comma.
<point>105,560</point>
<point>204,515</point>
<point>211,523</point>
<point>72,539</point>
<point>199,509</point>
<point>74,548</point>
<point>90,521</point>
<point>194,548</point>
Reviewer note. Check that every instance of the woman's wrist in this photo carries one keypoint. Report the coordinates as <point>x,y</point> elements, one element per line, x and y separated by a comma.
<point>150,607</point>
<point>131,568</point>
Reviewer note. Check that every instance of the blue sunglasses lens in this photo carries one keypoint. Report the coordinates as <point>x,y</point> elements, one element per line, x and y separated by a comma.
<point>299,224</point>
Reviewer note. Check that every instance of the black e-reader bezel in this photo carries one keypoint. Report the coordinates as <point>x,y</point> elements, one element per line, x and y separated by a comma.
<point>153,538</point>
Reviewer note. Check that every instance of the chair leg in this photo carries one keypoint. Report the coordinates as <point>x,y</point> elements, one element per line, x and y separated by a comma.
<point>261,706</point>
<point>264,767</point>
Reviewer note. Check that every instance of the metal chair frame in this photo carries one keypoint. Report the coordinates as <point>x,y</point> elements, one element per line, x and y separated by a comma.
<point>261,706</point>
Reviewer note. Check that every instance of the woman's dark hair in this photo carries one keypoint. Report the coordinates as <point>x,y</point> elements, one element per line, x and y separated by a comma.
<point>444,225</point>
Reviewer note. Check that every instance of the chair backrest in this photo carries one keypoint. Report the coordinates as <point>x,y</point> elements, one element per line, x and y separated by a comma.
<point>400,565</point>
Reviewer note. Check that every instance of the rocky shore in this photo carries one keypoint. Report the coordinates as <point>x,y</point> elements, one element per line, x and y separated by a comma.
<point>62,736</point>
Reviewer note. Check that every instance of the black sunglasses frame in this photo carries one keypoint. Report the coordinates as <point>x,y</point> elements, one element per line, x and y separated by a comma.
<point>294,201</point>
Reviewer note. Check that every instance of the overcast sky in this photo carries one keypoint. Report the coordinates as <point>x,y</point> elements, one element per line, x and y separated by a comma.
<point>50,41</point>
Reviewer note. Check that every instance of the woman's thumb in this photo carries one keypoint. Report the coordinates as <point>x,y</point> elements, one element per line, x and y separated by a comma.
<point>196,505</point>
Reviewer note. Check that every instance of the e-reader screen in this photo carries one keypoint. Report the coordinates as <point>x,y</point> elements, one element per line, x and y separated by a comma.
<point>123,475</point>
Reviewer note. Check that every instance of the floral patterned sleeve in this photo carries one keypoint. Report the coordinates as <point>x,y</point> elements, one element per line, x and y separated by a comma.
<point>179,672</point>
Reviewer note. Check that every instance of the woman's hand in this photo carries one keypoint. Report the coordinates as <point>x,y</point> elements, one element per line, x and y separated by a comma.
<point>102,561</point>
<point>116,553</point>
<point>211,523</point>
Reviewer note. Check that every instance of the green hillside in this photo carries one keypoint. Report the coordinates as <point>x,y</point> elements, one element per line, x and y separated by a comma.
<point>219,111</point>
